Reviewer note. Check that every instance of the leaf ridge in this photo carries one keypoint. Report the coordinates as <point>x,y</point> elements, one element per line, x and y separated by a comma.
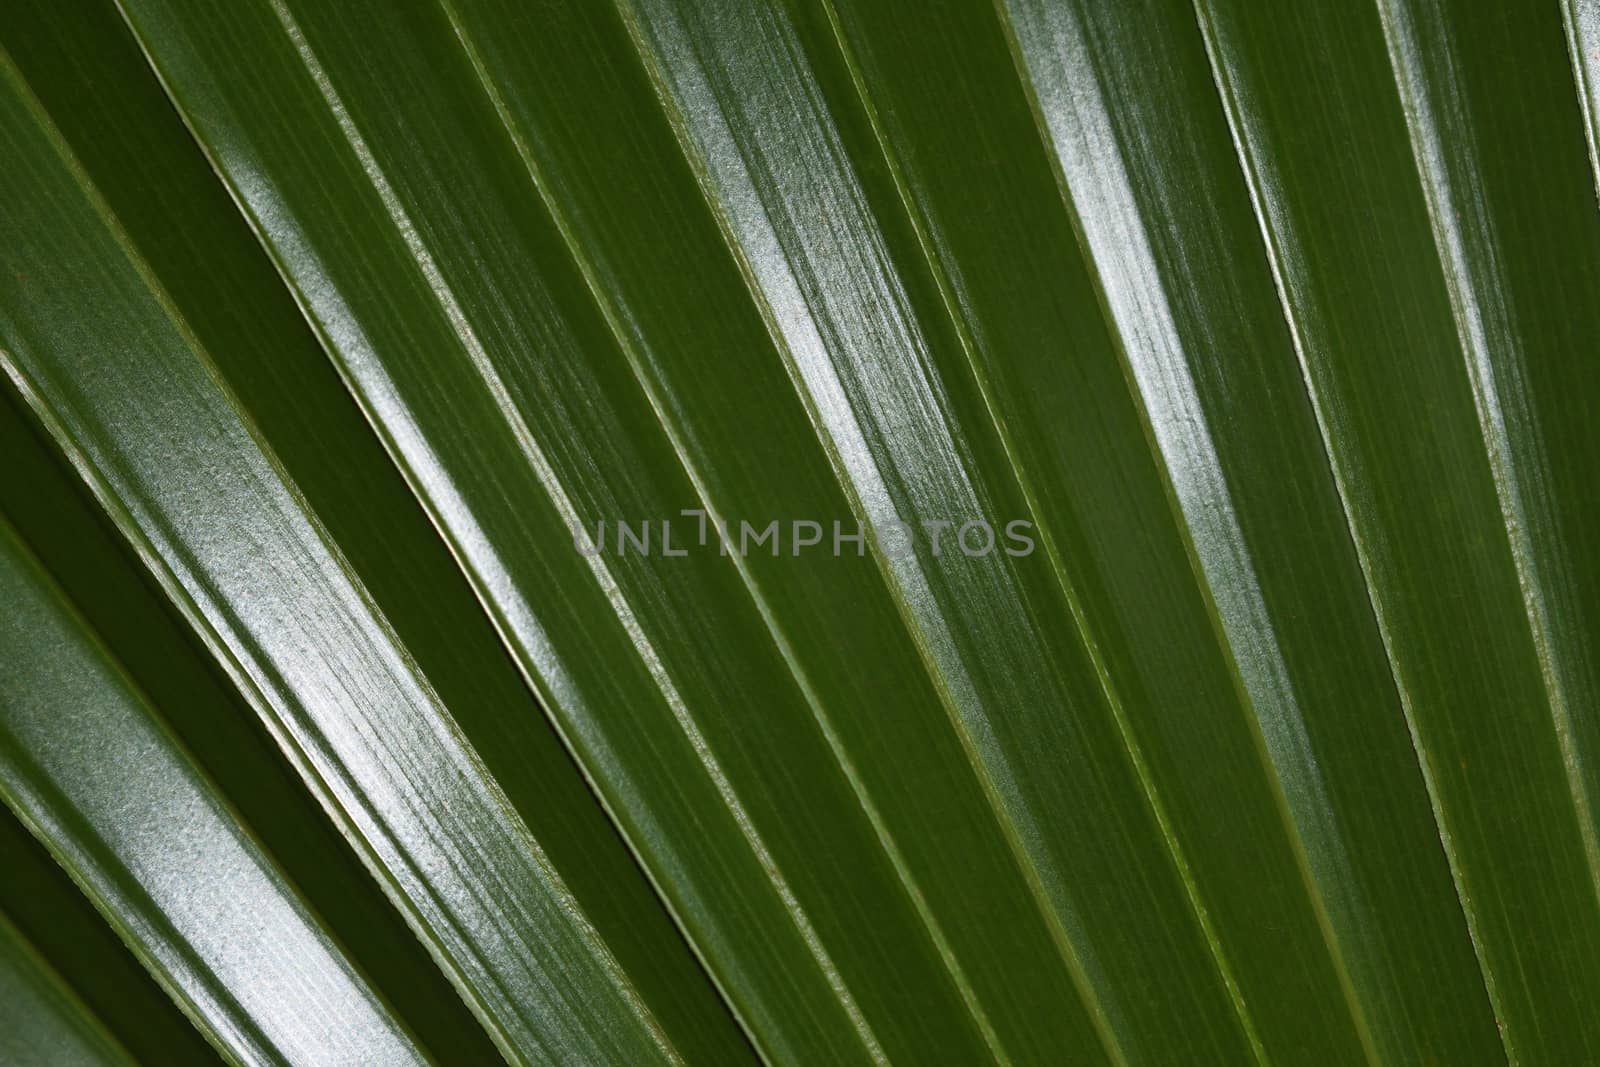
<point>21,961</point>
<point>322,760</point>
<point>1484,319</point>
<point>626,343</point>
<point>1262,201</point>
<point>241,1027</point>
<point>1068,589</point>
<point>1176,428</point>
<point>833,418</point>
<point>551,483</point>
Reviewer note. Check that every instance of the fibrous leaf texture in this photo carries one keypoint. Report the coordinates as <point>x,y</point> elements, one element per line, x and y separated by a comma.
<point>800,532</point>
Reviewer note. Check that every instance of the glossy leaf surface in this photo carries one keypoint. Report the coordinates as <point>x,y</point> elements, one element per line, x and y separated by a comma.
<point>130,817</point>
<point>225,287</point>
<point>40,1019</point>
<point>400,760</point>
<point>1441,351</point>
<point>63,527</point>
<point>514,409</point>
<point>61,926</point>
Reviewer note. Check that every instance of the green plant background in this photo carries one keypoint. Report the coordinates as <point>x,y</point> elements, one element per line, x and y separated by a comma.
<point>323,323</point>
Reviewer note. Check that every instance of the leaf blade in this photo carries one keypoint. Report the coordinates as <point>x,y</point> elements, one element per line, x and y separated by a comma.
<point>42,1019</point>
<point>1421,493</point>
<point>292,994</point>
<point>119,436</point>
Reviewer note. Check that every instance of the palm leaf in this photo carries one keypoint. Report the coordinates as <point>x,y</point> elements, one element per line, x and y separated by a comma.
<point>127,815</point>
<point>44,1020</point>
<point>348,341</point>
